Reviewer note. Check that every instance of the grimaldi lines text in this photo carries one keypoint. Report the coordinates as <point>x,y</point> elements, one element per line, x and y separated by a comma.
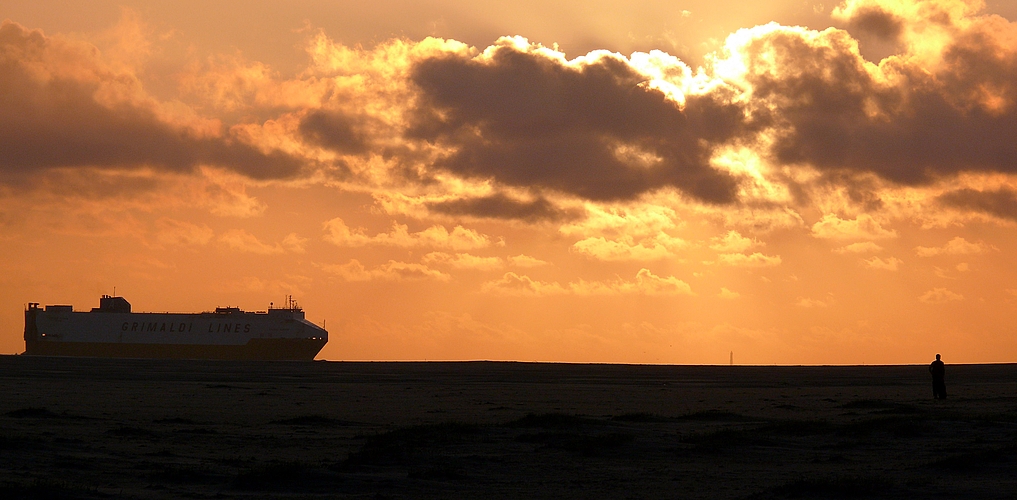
<point>112,330</point>
<point>156,326</point>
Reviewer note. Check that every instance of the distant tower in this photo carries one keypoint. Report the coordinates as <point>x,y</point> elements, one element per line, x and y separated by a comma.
<point>732,358</point>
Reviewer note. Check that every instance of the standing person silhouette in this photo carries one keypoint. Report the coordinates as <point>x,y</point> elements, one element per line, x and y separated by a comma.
<point>938,370</point>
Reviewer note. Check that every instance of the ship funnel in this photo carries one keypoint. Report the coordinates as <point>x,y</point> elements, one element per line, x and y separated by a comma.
<point>114,304</point>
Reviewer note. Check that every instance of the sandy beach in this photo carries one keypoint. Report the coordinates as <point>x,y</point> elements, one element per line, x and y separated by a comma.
<point>101,428</point>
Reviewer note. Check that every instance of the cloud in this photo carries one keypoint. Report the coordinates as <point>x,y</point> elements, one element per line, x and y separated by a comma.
<point>940,296</point>
<point>294,243</point>
<point>64,107</point>
<point>871,19</point>
<point>334,130</point>
<point>860,247</point>
<point>631,233</point>
<point>1000,203</point>
<point>514,284</point>
<point>390,271</point>
<point>638,220</point>
<point>811,303</point>
<point>732,242</point>
<point>227,197</point>
<point>500,206</point>
<point>411,117</point>
<point>608,128</point>
<point>862,227</point>
<point>755,260</point>
<point>728,294</point>
<point>238,239</point>
<point>944,105</point>
<point>956,246</point>
<point>232,86</point>
<point>291,285</point>
<point>526,261</point>
<point>464,261</point>
<point>174,232</point>
<point>645,283</point>
<point>890,264</point>
<point>339,234</point>
<point>524,116</point>
<point>460,238</point>
<point>627,248</point>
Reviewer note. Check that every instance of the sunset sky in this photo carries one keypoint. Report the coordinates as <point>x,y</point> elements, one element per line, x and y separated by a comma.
<point>795,182</point>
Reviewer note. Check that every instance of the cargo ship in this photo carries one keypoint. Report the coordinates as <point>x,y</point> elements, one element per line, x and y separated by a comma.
<point>113,331</point>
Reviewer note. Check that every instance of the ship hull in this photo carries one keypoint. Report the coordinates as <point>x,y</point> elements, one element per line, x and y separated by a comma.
<point>113,331</point>
<point>255,349</point>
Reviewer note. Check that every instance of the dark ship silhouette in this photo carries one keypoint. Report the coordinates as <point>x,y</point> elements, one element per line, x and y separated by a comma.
<point>112,330</point>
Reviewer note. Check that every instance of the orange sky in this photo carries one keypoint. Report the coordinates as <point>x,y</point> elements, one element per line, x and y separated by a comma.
<point>799,183</point>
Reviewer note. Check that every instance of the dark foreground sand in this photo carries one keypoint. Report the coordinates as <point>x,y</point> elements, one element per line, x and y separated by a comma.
<point>93,428</point>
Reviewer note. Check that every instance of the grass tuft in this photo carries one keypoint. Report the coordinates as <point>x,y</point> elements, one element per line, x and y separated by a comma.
<point>798,428</point>
<point>869,404</point>
<point>883,406</point>
<point>440,472</point>
<point>13,443</point>
<point>275,476</point>
<point>32,413</point>
<point>837,487</point>
<point>396,446</point>
<point>715,416</point>
<point>132,432</point>
<point>588,445</point>
<point>175,474</point>
<point>175,420</point>
<point>313,421</point>
<point>898,426</point>
<point>720,440</point>
<point>982,461</point>
<point>551,421</point>
<point>641,417</point>
<point>48,490</point>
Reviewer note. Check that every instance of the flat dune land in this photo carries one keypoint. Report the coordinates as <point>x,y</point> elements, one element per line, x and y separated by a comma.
<point>101,428</point>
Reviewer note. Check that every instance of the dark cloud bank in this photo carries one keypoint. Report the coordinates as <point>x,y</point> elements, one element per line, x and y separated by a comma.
<point>335,131</point>
<point>57,122</point>
<point>932,127</point>
<point>1000,203</point>
<point>500,206</point>
<point>527,120</point>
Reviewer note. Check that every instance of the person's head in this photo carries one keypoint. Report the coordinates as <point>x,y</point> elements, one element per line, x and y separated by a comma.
<point>937,357</point>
